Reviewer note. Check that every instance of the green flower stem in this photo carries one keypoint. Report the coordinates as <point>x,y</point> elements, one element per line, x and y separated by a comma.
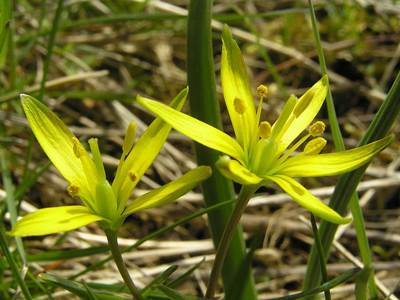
<point>317,242</point>
<point>114,248</point>
<point>205,107</point>
<point>245,193</point>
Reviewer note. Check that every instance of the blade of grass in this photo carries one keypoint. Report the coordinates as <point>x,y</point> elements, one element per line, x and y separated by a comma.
<point>50,45</point>
<point>154,235</point>
<point>13,265</point>
<point>78,288</point>
<point>317,242</point>
<point>355,208</point>
<point>347,275</point>
<point>10,197</point>
<point>204,106</point>
<point>344,191</point>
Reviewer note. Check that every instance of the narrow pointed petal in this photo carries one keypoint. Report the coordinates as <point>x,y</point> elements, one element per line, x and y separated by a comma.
<point>305,111</point>
<point>302,196</point>
<point>199,131</point>
<point>143,153</point>
<point>169,192</point>
<point>235,171</point>
<point>54,220</point>
<point>235,85</point>
<point>332,163</point>
<point>57,142</point>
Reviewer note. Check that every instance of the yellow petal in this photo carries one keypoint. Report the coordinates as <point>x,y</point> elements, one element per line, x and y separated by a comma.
<point>169,192</point>
<point>199,131</point>
<point>304,112</point>
<point>57,141</point>
<point>235,171</point>
<point>332,163</point>
<point>143,154</point>
<point>302,196</point>
<point>54,220</point>
<point>237,90</point>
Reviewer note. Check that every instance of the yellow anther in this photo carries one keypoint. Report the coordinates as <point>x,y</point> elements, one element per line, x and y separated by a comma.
<point>264,130</point>
<point>73,190</point>
<point>315,146</point>
<point>317,128</point>
<point>129,138</point>
<point>77,147</point>
<point>262,91</point>
<point>239,105</point>
<point>132,176</point>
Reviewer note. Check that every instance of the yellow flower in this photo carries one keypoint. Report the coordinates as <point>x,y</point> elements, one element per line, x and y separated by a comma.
<point>263,153</point>
<point>87,180</point>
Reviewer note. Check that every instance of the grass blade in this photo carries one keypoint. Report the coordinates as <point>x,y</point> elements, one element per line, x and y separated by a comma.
<point>50,46</point>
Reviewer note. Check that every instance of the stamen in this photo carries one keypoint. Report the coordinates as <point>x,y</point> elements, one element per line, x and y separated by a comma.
<point>264,130</point>
<point>129,138</point>
<point>262,91</point>
<point>76,147</point>
<point>73,190</point>
<point>292,149</point>
<point>132,176</point>
<point>239,105</point>
<point>317,129</point>
<point>315,146</point>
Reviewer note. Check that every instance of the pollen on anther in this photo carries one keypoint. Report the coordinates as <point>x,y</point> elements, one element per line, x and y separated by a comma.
<point>315,146</point>
<point>239,105</point>
<point>132,176</point>
<point>262,91</point>
<point>317,128</point>
<point>264,130</point>
<point>73,190</point>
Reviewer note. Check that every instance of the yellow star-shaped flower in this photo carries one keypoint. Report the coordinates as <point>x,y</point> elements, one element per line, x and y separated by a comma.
<point>262,153</point>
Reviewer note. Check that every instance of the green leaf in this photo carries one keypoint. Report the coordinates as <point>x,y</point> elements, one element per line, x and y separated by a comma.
<point>195,129</point>
<point>169,192</point>
<point>332,163</point>
<point>302,196</point>
<point>143,154</point>
<point>54,220</point>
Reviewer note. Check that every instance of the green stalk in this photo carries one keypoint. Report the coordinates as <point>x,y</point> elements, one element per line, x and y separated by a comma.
<point>204,106</point>
<point>50,46</point>
<point>114,248</point>
<point>355,208</point>
<point>245,193</point>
